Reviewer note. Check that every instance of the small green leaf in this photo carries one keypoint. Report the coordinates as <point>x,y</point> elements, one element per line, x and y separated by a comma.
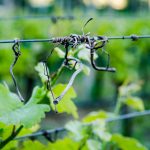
<point>32,145</point>
<point>126,143</point>
<point>93,145</point>
<point>99,129</point>
<point>12,145</point>
<point>5,130</point>
<point>135,103</point>
<point>93,116</point>
<point>66,104</point>
<point>40,69</point>
<point>64,144</point>
<point>59,52</point>
<point>78,130</point>
<point>84,53</point>
<point>125,90</point>
<point>13,112</point>
<point>26,131</point>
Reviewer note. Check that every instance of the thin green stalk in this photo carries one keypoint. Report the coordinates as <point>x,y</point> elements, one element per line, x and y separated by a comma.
<point>60,70</point>
<point>104,145</point>
<point>11,137</point>
<point>118,106</point>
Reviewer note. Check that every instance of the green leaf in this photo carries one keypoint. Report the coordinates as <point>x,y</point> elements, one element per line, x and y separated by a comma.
<point>93,116</point>
<point>64,144</point>
<point>126,143</point>
<point>135,103</point>
<point>40,69</point>
<point>125,90</point>
<point>93,144</point>
<point>12,145</point>
<point>9,101</point>
<point>5,130</point>
<point>79,131</point>
<point>66,104</point>
<point>76,129</point>
<point>26,131</point>
<point>13,112</point>
<point>32,145</point>
<point>59,52</point>
<point>99,129</point>
<point>84,53</point>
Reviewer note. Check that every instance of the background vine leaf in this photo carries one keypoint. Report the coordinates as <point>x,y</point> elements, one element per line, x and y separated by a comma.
<point>5,130</point>
<point>31,145</point>
<point>126,143</point>
<point>40,69</point>
<point>14,112</point>
<point>59,52</point>
<point>135,103</point>
<point>84,53</point>
<point>92,145</point>
<point>64,144</point>
<point>97,115</point>
<point>77,130</point>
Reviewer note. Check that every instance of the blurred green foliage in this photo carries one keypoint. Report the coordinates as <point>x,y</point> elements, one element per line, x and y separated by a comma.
<point>131,60</point>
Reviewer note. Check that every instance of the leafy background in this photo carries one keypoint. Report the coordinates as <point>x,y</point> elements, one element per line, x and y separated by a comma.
<point>90,94</point>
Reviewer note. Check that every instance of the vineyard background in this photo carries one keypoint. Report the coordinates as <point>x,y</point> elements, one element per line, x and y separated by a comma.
<point>98,90</point>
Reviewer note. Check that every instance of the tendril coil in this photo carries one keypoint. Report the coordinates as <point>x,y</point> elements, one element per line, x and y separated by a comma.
<point>17,53</point>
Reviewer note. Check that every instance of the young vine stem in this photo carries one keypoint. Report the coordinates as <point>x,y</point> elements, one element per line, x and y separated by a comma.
<point>11,137</point>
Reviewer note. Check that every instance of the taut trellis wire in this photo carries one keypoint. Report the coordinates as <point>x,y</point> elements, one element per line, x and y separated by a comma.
<point>53,18</point>
<point>57,130</point>
<point>53,40</point>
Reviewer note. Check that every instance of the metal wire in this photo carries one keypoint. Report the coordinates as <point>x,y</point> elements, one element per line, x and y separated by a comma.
<point>40,133</point>
<point>129,116</point>
<point>118,118</point>
<point>132,37</point>
<point>26,41</point>
<point>53,18</point>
